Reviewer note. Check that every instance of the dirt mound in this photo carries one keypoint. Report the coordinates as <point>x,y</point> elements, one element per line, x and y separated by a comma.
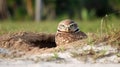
<point>27,42</point>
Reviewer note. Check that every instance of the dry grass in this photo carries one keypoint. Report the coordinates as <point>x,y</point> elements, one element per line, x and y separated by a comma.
<point>108,34</point>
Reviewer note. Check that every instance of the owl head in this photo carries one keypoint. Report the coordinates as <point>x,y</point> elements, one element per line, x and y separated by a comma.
<point>68,26</point>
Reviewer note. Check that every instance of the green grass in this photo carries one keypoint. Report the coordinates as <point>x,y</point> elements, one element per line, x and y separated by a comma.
<point>8,26</point>
<point>50,26</point>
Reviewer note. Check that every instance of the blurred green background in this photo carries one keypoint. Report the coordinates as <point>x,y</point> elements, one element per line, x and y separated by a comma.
<point>20,15</point>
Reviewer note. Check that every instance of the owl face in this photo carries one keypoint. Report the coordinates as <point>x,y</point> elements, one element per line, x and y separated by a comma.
<point>68,26</point>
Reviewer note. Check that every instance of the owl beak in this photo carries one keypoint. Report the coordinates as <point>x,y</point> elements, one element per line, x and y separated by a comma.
<point>68,29</point>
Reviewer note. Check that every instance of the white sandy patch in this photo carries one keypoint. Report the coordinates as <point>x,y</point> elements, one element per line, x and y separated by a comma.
<point>65,59</point>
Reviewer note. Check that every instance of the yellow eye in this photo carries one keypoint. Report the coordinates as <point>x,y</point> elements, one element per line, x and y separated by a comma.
<point>72,26</point>
<point>61,26</point>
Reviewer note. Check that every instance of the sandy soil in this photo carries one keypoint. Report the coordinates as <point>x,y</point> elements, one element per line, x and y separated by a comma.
<point>39,49</point>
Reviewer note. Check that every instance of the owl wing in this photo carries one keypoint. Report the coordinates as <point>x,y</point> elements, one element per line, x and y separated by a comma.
<point>82,35</point>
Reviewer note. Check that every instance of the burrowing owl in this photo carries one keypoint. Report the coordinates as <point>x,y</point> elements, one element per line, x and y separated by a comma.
<point>67,32</point>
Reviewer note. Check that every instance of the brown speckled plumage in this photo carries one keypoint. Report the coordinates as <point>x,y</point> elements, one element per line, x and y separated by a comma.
<point>63,37</point>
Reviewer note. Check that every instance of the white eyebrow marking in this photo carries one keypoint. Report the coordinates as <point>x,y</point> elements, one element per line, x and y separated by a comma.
<point>72,24</point>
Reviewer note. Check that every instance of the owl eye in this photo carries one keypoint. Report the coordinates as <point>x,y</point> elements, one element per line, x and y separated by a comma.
<point>72,26</point>
<point>61,26</point>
